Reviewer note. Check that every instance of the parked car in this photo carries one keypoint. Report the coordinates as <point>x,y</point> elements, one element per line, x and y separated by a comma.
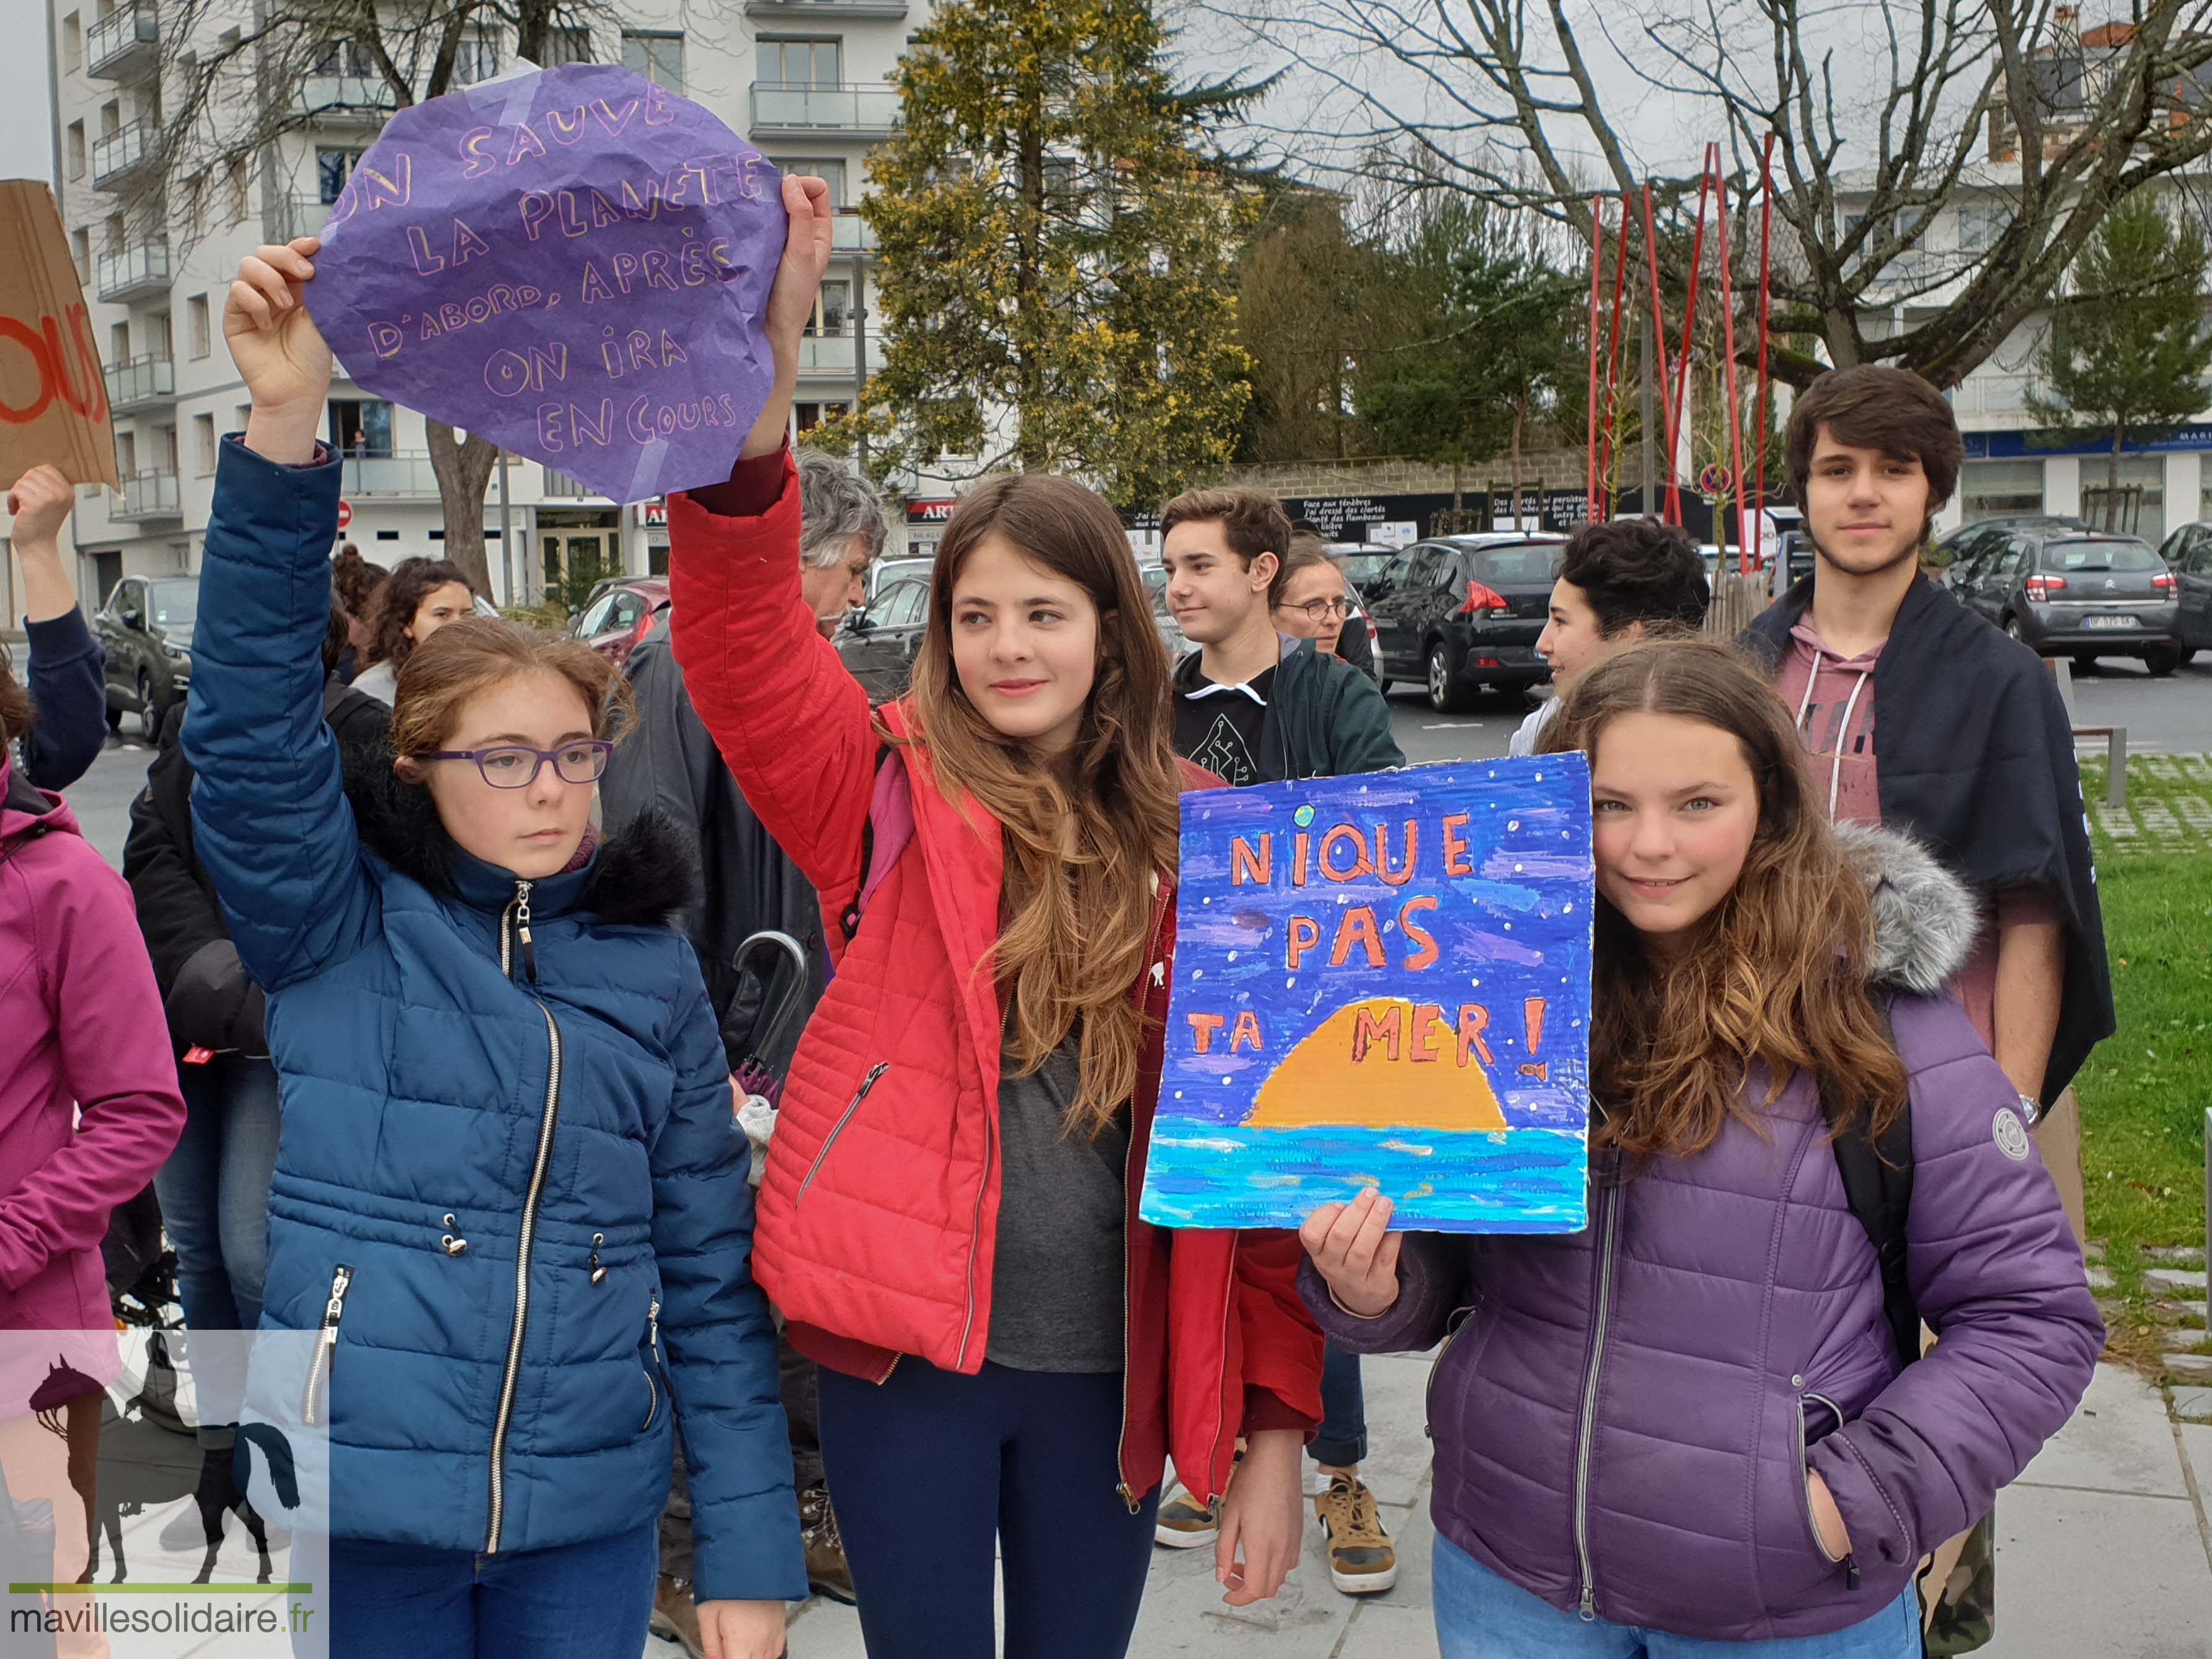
<point>146,630</point>
<point>879,642</point>
<point>2067,591</point>
<point>1955,548</point>
<point>884,572</point>
<point>1464,612</point>
<point>2188,554</point>
<point>1362,561</point>
<point>622,615</point>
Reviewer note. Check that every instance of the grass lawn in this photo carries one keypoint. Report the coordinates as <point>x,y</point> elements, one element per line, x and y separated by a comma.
<point>2145,1090</point>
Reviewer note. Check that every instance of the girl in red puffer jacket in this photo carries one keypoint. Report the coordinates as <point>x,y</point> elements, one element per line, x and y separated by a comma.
<point>948,1219</point>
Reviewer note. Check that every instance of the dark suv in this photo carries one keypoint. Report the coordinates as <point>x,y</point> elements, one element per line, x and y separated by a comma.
<point>1465,611</point>
<point>2188,554</point>
<point>2068,592</point>
<point>146,630</point>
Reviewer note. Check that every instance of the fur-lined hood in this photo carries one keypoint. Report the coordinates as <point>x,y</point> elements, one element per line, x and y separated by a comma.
<point>641,877</point>
<point>1925,920</point>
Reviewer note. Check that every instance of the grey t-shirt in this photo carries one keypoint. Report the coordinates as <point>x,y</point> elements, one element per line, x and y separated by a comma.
<point>1056,1282</point>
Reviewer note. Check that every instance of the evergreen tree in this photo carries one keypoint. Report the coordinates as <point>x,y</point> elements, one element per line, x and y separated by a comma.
<point>1056,243</point>
<point>2139,366</point>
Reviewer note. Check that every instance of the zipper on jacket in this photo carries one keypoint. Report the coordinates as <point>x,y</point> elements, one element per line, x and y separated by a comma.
<point>652,1382</point>
<point>1805,1484</point>
<point>529,1233</point>
<point>1121,1438</point>
<point>326,1340</point>
<point>1457,1322</point>
<point>838,1128</point>
<point>1610,1198</point>
<point>975,1238</point>
<point>518,912</point>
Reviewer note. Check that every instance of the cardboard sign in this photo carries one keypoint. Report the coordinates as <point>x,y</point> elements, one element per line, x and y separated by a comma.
<point>572,261</point>
<point>53,398</point>
<point>1382,981</point>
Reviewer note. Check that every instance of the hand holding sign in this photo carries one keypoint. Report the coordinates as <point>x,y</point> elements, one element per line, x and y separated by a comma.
<point>279,352</point>
<point>1354,1248</point>
<point>40,502</point>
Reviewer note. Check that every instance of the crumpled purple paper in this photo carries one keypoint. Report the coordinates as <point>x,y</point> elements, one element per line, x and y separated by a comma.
<point>572,261</point>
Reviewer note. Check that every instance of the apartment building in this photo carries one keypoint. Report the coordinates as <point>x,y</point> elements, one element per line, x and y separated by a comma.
<point>805,81</point>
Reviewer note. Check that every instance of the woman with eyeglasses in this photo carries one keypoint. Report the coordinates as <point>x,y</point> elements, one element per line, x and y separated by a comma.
<point>510,1199</point>
<point>1314,600</point>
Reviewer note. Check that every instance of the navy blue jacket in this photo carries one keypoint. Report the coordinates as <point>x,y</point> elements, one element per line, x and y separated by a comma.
<point>69,687</point>
<point>468,1127</point>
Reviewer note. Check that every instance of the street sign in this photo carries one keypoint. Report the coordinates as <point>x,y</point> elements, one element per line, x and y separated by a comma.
<point>1715,482</point>
<point>345,514</point>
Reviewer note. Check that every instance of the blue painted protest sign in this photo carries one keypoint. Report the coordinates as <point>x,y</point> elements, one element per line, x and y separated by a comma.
<point>1381,980</point>
<point>574,262</point>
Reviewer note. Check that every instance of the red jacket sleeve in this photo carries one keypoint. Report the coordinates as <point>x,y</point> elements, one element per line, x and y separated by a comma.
<point>792,725</point>
<point>1282,1344</point>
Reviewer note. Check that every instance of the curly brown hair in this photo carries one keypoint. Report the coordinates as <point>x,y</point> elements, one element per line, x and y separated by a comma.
<point>412,581</point>
<point>1778,981</point>
<point>1086,835</point>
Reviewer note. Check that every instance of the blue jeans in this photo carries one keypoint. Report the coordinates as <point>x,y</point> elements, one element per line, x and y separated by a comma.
<point>936,1473</point>
<point>588,1601</point>
<point>1342,1443</point>
<point>215,1207</point>
<point>1481,1616</point>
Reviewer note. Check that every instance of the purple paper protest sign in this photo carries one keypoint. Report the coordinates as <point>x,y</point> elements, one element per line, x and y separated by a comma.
<point>574,262</point>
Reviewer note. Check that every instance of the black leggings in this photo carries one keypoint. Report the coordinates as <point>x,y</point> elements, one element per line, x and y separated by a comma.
<point>935,1473</point>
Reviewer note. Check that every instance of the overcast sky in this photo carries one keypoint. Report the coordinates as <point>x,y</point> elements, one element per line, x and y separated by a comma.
<point>27,127</point>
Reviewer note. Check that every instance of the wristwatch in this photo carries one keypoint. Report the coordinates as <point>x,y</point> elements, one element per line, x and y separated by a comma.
<point>2031,1109</point>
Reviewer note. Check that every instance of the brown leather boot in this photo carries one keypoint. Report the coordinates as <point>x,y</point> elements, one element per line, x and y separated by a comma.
<point>675,1618</point>
<point>827,1572</point>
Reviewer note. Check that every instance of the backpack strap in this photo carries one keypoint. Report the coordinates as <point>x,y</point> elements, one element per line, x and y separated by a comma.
<point>1877,1174</point>
<point>883,837</point>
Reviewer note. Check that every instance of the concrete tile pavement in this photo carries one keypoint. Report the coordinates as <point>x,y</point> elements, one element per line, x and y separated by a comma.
<point>2104,1551</point>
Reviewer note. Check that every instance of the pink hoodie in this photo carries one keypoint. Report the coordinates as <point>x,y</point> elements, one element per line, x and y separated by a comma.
<point>89,1101</point>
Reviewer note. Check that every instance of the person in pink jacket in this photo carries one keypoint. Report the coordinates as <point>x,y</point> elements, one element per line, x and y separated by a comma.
<point>88,1110</point>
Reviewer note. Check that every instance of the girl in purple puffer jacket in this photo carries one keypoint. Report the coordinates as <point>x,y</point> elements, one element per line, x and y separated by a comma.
<point>1687,1430</point>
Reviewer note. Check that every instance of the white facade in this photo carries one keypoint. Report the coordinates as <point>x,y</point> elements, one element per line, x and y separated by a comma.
<point>2005,473</point>
<point>805,81</point>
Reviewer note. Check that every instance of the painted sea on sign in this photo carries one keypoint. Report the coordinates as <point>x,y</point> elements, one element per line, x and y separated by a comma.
<point>1382,981</point>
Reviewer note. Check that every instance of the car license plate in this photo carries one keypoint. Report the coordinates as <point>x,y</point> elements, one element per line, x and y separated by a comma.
<point>2110,622</point>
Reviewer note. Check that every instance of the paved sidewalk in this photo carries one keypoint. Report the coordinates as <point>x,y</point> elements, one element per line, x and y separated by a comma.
<point>2104,1551</point>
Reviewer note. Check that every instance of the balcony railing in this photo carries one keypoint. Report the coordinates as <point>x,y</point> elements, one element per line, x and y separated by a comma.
<point>148,380</point>
<point>129,38</point>
<point>148,496</point>
<point>832,354</point>
<point>560,486</point>
<point>851,234</point>
<point>388,475</point>
<point>340,97</point>
<point>121,151</point>
<point>826,11</point>
<point>859,112</point>
<point>134,273</point>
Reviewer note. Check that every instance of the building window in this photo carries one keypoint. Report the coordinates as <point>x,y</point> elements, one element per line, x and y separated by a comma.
<point>333,169</point>
<point>72,43</point>
<point>566,47</point>
<point>344,58</point>
<point>81,245</point>
<point>1980,224</point>
<point>119,343</point>
<point>658,57</point>
<point>110,119</point>
<point>361,426</point>
<point>204,439</point>
<point>162,338</point>
<point>478,59</point>
<point>196,314</point>
<point>237,176</point>
<point>2138,508</point>
<point>833,306</point>
<point>801,62</point>
<point>1992,489</point>
<point>807,416</point>
<point>76,150</point>
<point>829,169</point>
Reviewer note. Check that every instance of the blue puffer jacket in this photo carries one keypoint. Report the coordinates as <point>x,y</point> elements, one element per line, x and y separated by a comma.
<point>468,1127</point>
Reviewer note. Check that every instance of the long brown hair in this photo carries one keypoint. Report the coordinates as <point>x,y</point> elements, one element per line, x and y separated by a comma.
<point>1086,834</point>
<point>399,598</point>
<point>1779,975</point>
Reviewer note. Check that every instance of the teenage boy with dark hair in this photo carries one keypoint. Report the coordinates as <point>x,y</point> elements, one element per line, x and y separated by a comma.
<point>1616,581</point>
<point>1252,706</point>
<point>1920,716</point>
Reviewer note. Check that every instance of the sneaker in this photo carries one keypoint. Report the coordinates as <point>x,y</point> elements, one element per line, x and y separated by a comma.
<point>827,1572</point>
<point>1184,1523</point>
<point>1361,1559</point>
<point>675,1617</point>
